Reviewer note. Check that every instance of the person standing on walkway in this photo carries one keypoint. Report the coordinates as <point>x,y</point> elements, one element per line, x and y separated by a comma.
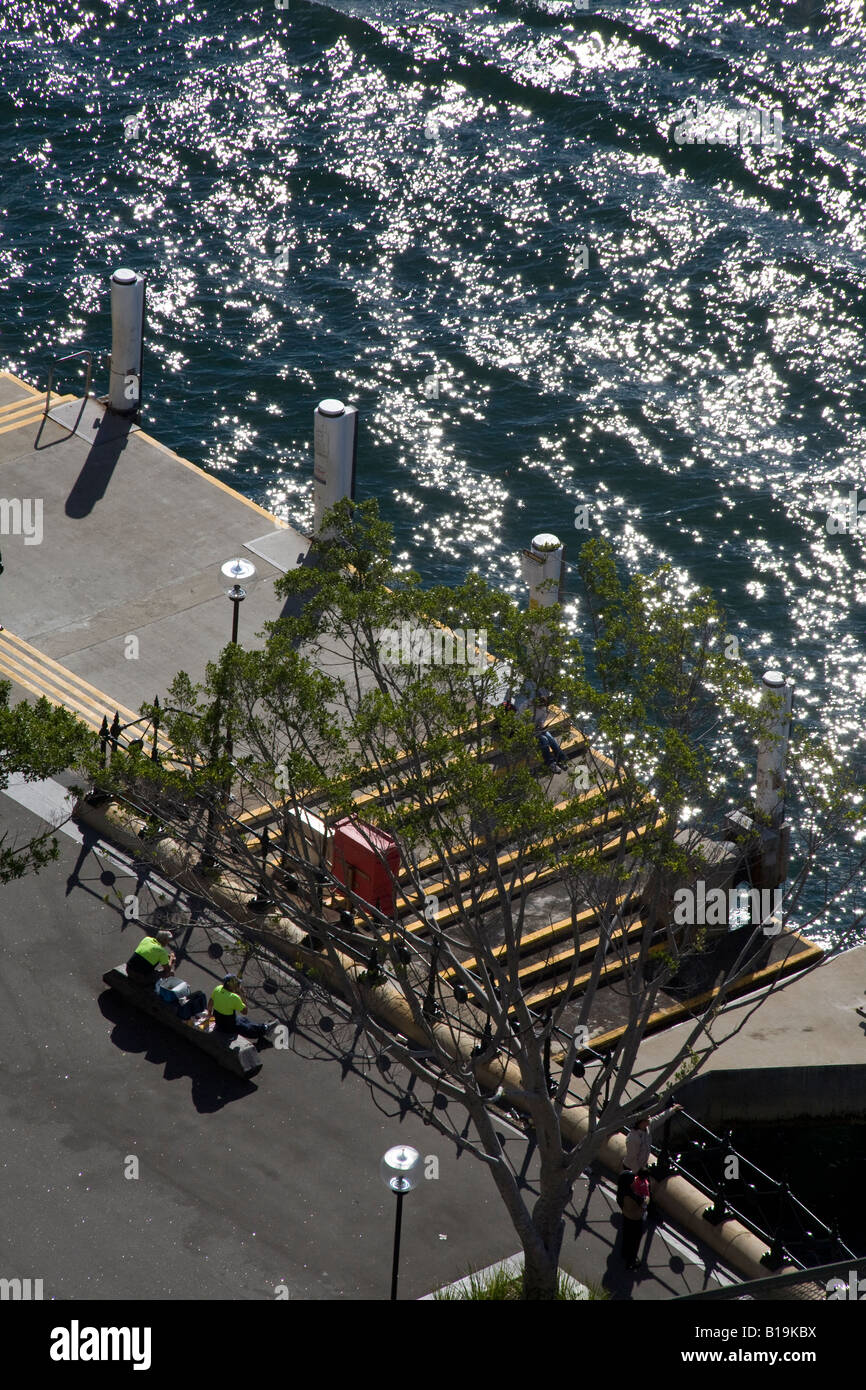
<point>638,1145</point>
<point>634,1208</point>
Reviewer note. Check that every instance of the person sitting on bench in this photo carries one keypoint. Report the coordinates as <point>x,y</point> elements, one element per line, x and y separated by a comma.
<point>227,1007</point>
<point>151,959</point>
<point>548,747</point>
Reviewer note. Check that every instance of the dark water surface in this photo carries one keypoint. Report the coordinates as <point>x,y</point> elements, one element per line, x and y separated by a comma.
<point>353,198</point>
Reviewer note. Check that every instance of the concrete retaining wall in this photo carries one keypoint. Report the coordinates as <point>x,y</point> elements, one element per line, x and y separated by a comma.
<point>769,1094</point>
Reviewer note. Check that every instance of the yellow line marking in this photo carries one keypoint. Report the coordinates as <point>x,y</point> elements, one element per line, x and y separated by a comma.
<point>74,692</point>
<point>534,879</point>
<point>23,421</point>
<point>677,1012</point>
<point>36,656</point>
<point>19,679</point>
<point>13,407</point>
<point>609,969</point>
<point>554,932</point>
<point>53,689</point>
<point>29,416</point>
<point>572,836</point>
<point>19,381</point>
<point>393,765</point>
<point>203,473</point>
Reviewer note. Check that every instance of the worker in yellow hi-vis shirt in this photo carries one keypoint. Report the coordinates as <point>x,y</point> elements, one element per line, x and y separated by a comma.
<point>228,1008</point>
<point>151,959</point>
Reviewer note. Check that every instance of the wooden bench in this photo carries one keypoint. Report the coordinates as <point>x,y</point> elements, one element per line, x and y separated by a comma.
<point>237,1055</point>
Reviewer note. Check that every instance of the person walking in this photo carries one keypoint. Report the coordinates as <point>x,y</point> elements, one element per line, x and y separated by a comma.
<point>634,1208</point>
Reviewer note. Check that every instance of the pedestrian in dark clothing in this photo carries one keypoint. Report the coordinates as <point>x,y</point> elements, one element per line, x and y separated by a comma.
<point>550,751</point>
<point>634,1208</point>
<point>553,756</point>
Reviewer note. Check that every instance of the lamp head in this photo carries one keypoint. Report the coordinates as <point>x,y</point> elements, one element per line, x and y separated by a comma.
<point>401,1168</point>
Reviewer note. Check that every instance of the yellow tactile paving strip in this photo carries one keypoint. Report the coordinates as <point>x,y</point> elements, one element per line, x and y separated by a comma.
<point>41,675</point>
<point>15,415</point>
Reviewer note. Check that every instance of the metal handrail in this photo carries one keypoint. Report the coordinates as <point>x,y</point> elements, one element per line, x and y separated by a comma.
<point>751,1222</point>
<point>82,352</point>
<point>756,1288</point>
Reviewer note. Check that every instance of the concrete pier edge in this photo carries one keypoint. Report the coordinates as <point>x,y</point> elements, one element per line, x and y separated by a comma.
<point>685,1204</point>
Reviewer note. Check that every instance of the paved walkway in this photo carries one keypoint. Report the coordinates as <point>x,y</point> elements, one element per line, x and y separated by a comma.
<point>801,1052</point>
<point>80,600</point>
<point>292,1164</point>
<point>242,1186</point>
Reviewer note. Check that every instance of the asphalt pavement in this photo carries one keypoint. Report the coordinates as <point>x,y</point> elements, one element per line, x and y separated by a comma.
<point>244,1190</point>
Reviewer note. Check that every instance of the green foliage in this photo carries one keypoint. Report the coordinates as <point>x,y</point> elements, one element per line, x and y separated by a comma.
<point>690,1064</point>
<point>504,1285</point>
<point>333,708</point>
<point>36,741</point>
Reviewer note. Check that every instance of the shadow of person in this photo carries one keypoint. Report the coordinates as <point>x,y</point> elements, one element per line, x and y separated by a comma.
<point>618,1280</point>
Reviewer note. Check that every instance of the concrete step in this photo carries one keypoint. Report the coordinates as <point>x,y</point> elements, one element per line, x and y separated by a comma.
<point>259,815</point>
<point>487,900</point>
<point>435,861</point>
<point>23,402</point>
<point>41,675</point>
<point>509,859</point>
<point>547,937</point>
<point>26,413</point>
<point>562,963</point>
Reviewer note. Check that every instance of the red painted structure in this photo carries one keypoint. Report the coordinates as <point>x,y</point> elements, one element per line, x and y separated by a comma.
<point>364,859</point>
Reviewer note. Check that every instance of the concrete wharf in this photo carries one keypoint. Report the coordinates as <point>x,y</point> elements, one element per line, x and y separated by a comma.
<point>802,1054</point>
<point>123,585</point>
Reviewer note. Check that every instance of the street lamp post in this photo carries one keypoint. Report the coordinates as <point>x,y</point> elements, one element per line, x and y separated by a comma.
<point>237,570</point>
<point>401,1172</point>
<point>237,596</point>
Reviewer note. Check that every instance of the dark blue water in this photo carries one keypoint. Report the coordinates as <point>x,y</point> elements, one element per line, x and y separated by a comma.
<point>354,199</point>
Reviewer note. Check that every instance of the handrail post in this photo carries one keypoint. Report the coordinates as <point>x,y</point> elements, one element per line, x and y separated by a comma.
<point>663,1166</point>
<point>80,352</point>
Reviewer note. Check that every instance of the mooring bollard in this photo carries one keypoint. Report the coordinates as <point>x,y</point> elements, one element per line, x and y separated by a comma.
<point>335,453</point>
<point>127,336</point>
<point>543,569</point>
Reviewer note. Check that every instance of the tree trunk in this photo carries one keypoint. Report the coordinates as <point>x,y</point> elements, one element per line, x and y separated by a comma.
<point>541,1256</point>
<point>540,1273</point>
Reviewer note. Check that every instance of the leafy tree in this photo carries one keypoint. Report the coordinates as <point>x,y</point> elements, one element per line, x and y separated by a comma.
<point>339,712</point>
<point>36,741</point>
